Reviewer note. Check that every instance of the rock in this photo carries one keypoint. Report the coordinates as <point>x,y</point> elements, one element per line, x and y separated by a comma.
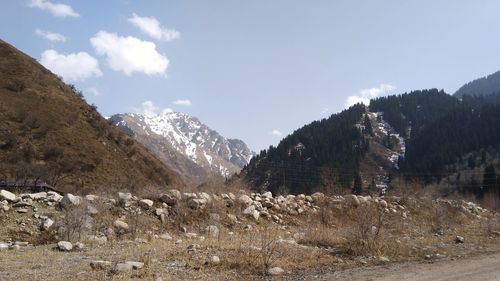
<point>245,200</point>
<point>382,203</point>
<point>212,231</point>
<point>459,239</point>
<point>4,246</point>
<point>5,207</point>
<point>267,194</point>
<point>213,260</point>
<point>100,265</point>
<point>196,203</point>
<point>22,204</point>
<point>22,211</point>
<point>247,227</point>
<point>122,267</point>
<point>64,246</point>
<point>37,196</point>
<point>70,200</point>
<point>79,246</point>
<point>496,233</point>
<point>206,196</point>
<point>165,236</point>
<point>353,200</point>
<point>191,235</point>
<point>146,203</point>
<point>91,198</point>
<point>53,196</point>
<point>256,215</point>
<point>169,199</point>
<point>92,211</point>
<point>274,271</point>
<point>384,259</point>
<point>120,225</point>
<point>249,210</point>
<point>124,196</point>
<point>135,264</point>
<point>47,224</point>
<point>232,218</point>
<point>7,195</point>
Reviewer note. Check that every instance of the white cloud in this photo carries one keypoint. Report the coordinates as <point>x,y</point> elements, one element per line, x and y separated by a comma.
<point>365,95</point>
<point>129,54</point>
<point>51,36</point>
<point>149,109</point>
<point>151,26</point>
<point>57,9</point>
<point>93,91</point>
<point>276,132</point>
<point>72,67</point>
<point>183,102</point>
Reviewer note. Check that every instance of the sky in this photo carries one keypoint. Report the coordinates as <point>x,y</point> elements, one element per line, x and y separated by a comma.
<point>254,70</point>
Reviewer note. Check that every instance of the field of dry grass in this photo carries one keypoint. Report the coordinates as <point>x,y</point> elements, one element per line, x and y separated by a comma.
<point>329,236</point>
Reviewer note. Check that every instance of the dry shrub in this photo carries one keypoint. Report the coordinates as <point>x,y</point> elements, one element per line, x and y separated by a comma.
<point>74,222</point>
<point>366,235</point>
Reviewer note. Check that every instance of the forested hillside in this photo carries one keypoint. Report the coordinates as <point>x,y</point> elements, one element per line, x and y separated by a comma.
<point>482,86</point>
<point>331,146</point>
<point>435,132</point>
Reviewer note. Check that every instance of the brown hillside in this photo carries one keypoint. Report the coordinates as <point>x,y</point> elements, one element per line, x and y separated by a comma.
<point>48,131</point>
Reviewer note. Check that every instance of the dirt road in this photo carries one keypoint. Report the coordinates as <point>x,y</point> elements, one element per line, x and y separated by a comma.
<point>481,268</point>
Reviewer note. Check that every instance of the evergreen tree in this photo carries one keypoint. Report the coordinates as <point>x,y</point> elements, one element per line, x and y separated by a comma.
<point>358,185</point>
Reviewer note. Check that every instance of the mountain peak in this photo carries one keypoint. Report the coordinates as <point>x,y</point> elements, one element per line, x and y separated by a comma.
<point>184,142</point>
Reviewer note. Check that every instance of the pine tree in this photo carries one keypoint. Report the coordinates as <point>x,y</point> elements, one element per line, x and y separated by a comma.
<point>357,186</point>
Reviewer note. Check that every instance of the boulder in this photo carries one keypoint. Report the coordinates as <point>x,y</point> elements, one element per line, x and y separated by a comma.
<point>171,197</point>
<point>100,265</point>
<point>353,200</point>
<point>69,200</point>
<point>459,239</point>
<point>36,196</point>
<point>213,260</point>
<point>90,197</point>
<point>196,203</point>
<point>146,204</point>
<point>64,246</point>
<point>47,224</point>
<point>121,225</point>
<point>7,195</point>
<point>274,271</point>
<point>245,200</point>
<point>165,236</point>
<point>53,196</point>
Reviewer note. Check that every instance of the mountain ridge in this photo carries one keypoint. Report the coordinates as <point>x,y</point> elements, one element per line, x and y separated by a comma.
<point>173,136</point>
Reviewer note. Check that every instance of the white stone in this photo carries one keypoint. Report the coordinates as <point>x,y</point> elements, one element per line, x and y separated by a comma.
<point>70,200</point>
<point>245,200</point>
<point>121,224</point>
<point>146,203</point>
<point>165,236</point>
<point>64,246</point>
<point>274,271</point>
<point>7,195</point>
<point>53,196</point>
<point>47,224</point>
<point>213,260</point>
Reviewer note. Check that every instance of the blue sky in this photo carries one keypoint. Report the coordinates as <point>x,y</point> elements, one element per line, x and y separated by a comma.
<point>255,70</point>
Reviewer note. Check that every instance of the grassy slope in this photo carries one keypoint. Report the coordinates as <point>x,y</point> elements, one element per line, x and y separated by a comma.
<point>39,112</point>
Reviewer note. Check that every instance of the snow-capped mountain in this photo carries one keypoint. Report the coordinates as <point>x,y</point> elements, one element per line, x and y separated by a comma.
<point>185,144</point>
